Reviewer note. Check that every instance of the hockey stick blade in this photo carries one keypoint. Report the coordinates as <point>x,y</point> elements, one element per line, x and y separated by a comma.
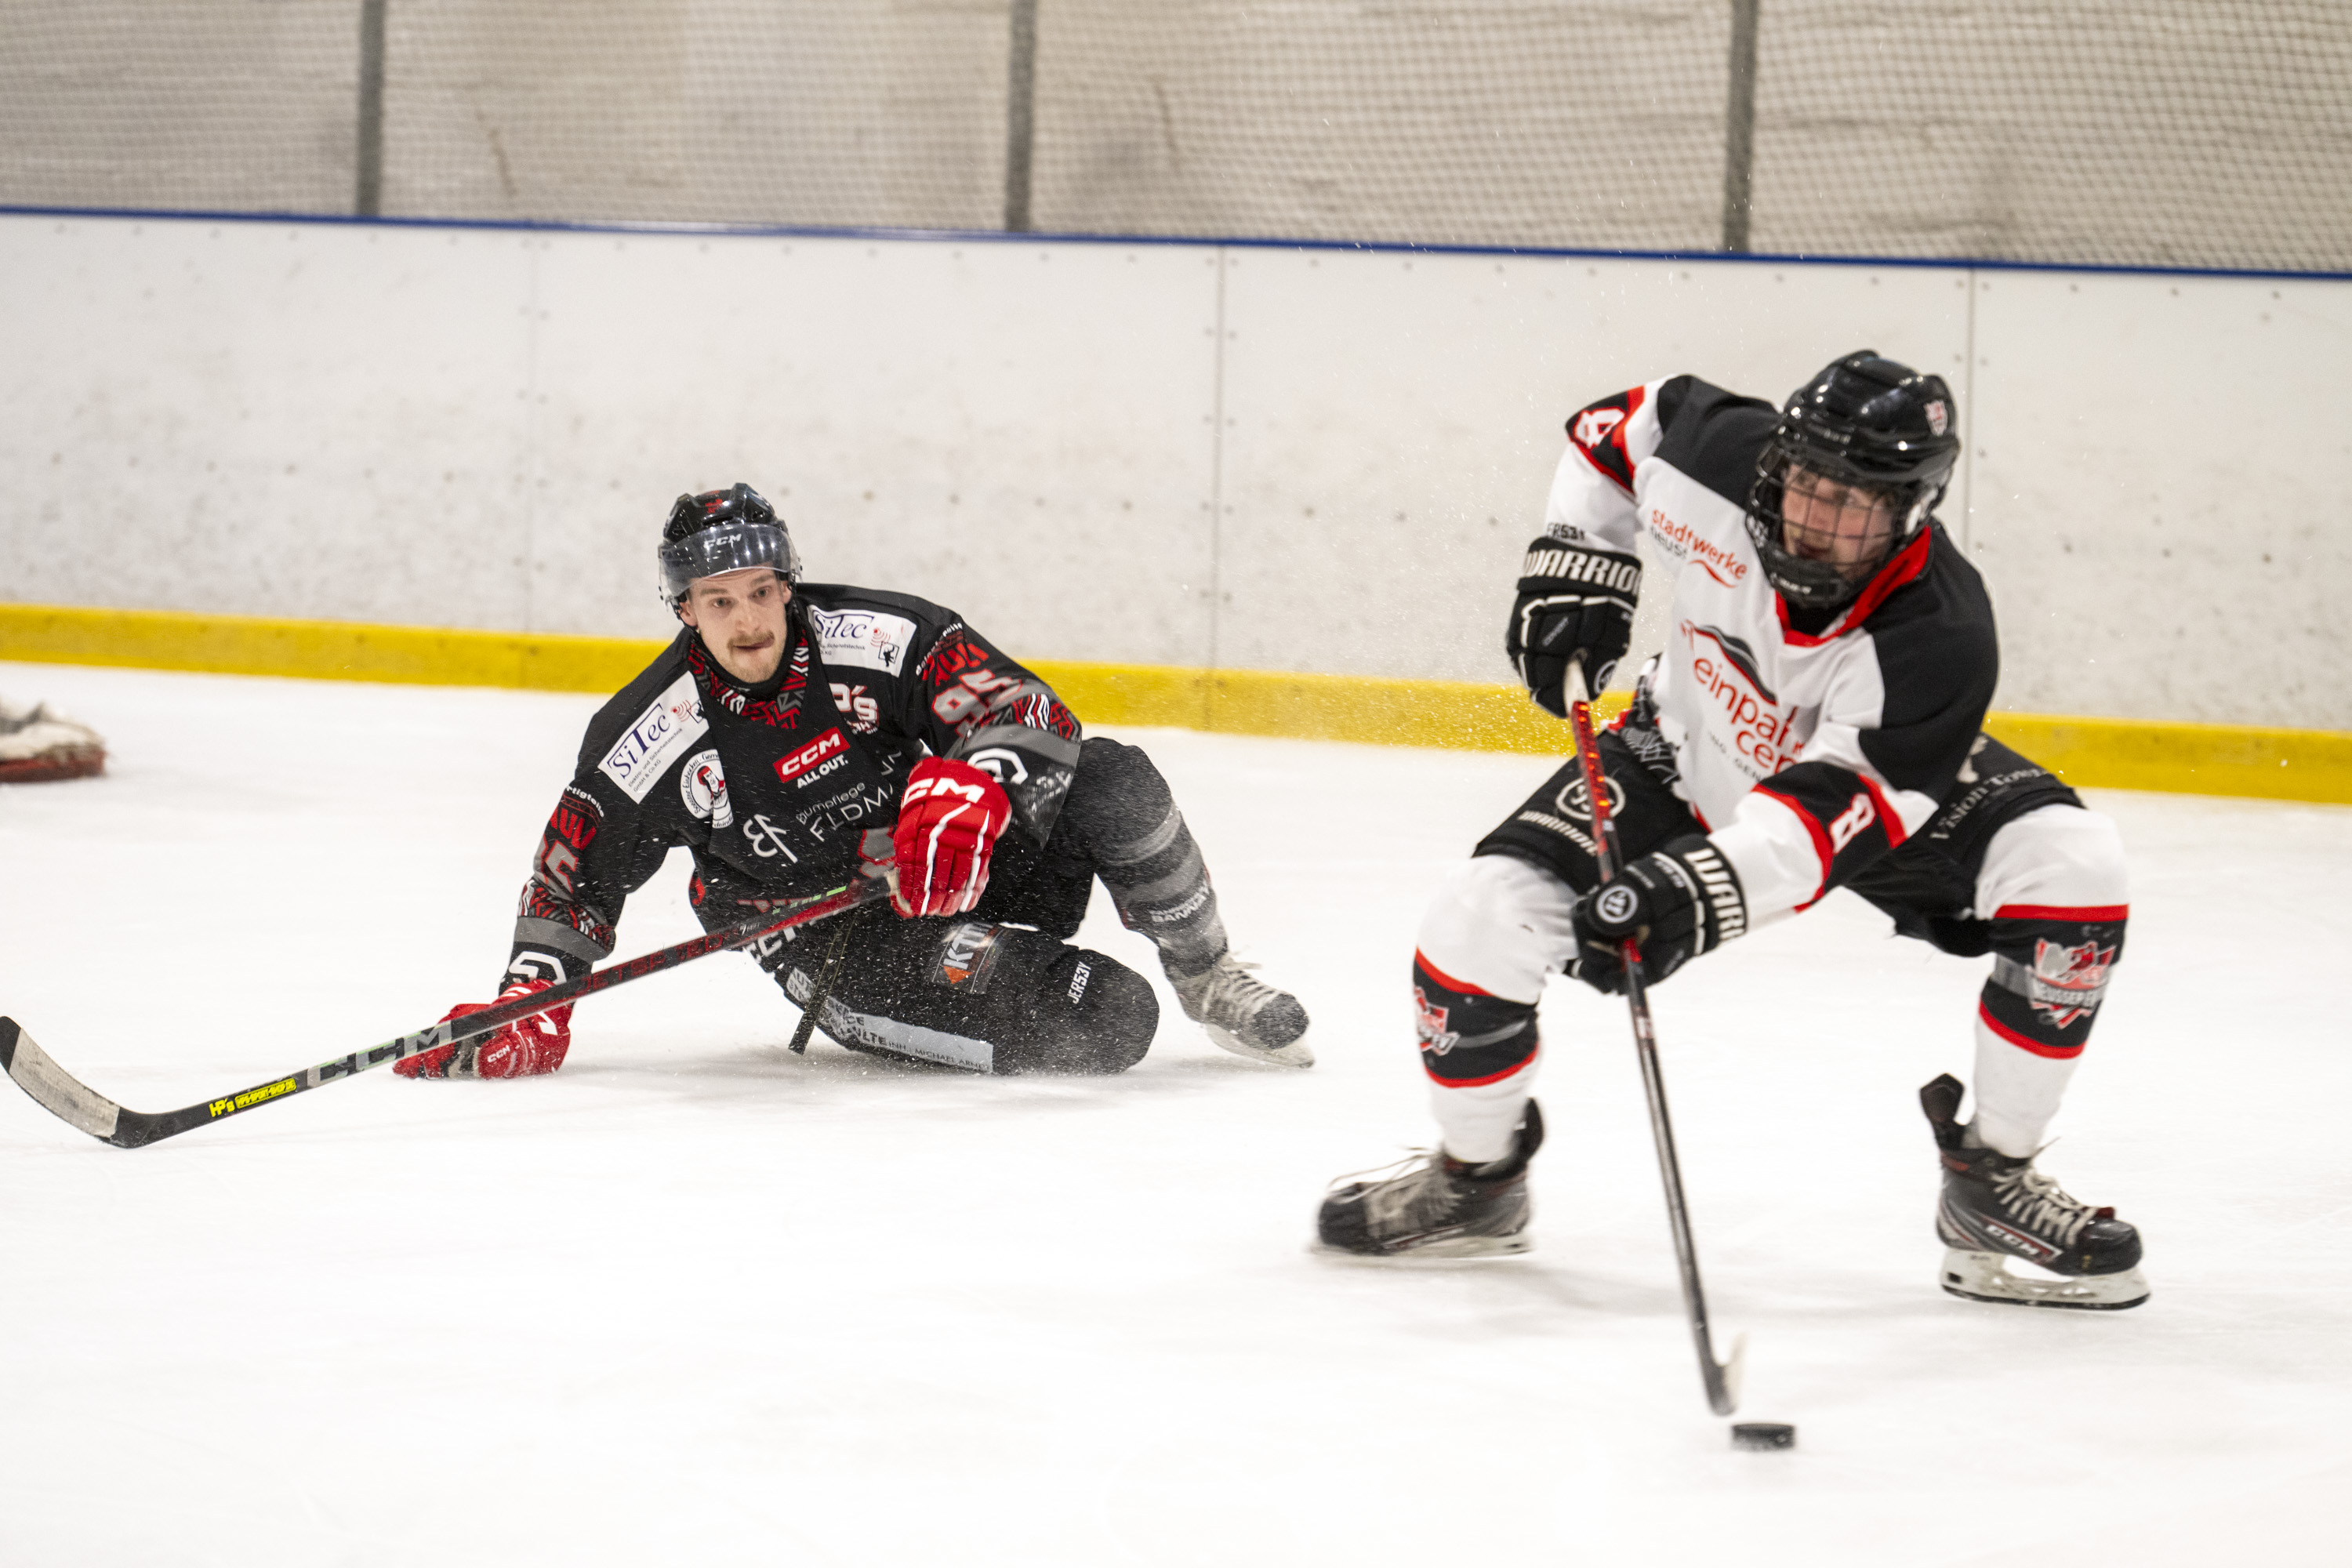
<point>77,1104</point>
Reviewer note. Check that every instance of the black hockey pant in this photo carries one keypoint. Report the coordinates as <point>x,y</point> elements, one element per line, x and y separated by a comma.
<point>1997,871</point>
<point>1001,989</point>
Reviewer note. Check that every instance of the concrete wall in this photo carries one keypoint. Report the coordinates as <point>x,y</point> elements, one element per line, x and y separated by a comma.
<point>1271,458</point>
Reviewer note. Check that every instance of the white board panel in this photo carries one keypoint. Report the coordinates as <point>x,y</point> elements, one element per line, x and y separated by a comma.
<point>2161,472</point>
<point>1392,423</point>
<point>270,420</point>
<point>483,428</point>
<point>1018,431</point>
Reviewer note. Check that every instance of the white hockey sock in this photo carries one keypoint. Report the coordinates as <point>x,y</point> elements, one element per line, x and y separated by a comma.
<point>2017,1094</point>
<point>1478,1121</point>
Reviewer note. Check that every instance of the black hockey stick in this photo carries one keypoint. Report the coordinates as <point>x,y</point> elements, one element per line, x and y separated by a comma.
<point>1722,1378</point>
<point>823,991</point>
<point>38,1075</point>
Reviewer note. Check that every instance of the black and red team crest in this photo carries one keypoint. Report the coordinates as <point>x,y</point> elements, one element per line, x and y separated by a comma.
<point>2067,981</point>
<point>1429,1025</point>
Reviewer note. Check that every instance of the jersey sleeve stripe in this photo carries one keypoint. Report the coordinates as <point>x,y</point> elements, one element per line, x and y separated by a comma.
<point>1819,836</point>
<point>1890,819</point>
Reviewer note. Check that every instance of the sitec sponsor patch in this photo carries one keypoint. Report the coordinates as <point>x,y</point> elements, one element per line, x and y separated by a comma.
<point>813,761</point>
<point>659,734</point>
<point>870,639</point>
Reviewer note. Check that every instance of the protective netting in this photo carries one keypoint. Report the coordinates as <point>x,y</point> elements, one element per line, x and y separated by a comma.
<point>2197,133</point>
<point>2154,132</point>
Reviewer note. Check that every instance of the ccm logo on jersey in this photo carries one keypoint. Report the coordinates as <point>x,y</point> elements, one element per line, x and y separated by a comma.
<point>814,760</point>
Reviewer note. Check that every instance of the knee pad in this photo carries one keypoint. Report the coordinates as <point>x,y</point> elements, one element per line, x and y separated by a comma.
<point>2054,896</point>
<point>1120,809</point>
<point>1082,1013</point>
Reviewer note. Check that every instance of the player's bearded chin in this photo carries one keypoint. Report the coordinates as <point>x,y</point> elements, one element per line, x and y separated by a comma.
<point>1848,528</point>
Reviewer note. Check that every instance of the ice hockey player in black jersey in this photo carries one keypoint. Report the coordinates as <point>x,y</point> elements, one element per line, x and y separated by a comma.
<point>1814,723</point>
<point>798,734</point>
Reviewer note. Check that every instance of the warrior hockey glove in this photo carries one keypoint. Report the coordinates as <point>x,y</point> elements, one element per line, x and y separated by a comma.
<point>1678,903</point>
<point>1573,599</point>
<point>524,1048</point>
<point>949,821</point>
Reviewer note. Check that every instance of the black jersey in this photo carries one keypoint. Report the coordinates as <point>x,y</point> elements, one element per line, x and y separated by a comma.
<point>779,786</point>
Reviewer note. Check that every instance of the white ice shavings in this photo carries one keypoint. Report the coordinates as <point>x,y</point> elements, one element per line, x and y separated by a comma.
<point>674,723</point>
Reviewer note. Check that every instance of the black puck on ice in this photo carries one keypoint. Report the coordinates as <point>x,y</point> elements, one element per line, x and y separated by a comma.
<point>1763,1435</point>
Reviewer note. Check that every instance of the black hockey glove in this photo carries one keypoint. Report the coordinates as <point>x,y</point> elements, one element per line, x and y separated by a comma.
<point>1573,599</point>
<point>1678,903</point>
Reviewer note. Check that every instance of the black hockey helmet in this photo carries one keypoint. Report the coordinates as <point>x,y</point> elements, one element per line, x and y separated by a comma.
<point>1867,422</point>
<point>722,530</point>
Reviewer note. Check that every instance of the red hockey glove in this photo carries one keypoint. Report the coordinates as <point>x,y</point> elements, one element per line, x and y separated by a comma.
<point>524,1048</point>
<point>949,820</point>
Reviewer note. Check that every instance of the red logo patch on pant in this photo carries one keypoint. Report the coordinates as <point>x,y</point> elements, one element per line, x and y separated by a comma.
<point>2067,981</point>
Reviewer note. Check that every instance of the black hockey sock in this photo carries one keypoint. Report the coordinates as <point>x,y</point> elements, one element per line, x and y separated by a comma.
<point>1163,891</point>
<point>1145,855</point>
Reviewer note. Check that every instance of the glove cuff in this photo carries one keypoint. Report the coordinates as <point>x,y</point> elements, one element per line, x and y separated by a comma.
<point>1718,903</point>
<point>1550,564</point>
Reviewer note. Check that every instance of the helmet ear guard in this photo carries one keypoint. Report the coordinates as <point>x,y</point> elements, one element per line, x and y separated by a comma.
<point>1869,423</point>
<point>722,530</point>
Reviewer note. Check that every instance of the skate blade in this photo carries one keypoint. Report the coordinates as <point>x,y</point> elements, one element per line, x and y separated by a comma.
<point>1455,1249</point>
<point>1986,1277</point>
<point>1293,1055</point>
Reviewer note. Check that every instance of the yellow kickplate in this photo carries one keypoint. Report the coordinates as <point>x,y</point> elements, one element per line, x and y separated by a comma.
<point>2116,753</point>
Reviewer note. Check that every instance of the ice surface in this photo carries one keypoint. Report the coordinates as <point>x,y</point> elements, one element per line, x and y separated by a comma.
<point>696,1299</point>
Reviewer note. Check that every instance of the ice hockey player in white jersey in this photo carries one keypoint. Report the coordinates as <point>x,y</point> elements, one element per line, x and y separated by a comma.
<point>1813,722</point>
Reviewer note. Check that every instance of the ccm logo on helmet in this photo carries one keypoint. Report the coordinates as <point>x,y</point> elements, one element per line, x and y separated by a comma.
<point>814,760</point>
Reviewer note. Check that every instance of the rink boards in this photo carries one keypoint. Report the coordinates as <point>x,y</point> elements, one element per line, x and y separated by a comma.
<point>1194,456</point>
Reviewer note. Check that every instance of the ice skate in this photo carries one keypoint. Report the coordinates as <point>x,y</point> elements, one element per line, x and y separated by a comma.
<point>1997,1208</point>
<point>1242,1014</point>
<point>1433,1205</point>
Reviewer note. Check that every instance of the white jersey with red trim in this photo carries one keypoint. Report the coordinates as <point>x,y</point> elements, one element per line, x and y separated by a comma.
<point>1807,746</point>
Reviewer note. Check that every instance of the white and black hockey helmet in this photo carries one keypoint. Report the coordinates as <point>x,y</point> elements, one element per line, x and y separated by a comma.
<point>1868,422</point>
<point>722,530</point>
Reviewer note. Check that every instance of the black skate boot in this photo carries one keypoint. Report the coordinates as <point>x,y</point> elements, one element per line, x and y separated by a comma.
<point>1997,1206</point>
<point>1434,1205</point>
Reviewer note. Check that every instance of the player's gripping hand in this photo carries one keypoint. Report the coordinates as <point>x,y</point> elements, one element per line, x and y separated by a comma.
<point>1678,903</point>
<point>1573,599</point>
<point>949,821</point>
<point>524,1048</point>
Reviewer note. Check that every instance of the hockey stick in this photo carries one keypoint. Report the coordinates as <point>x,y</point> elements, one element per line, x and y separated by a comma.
<point>38,1075</point>
<point>822,991</point>
<point>1722,1378</point>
